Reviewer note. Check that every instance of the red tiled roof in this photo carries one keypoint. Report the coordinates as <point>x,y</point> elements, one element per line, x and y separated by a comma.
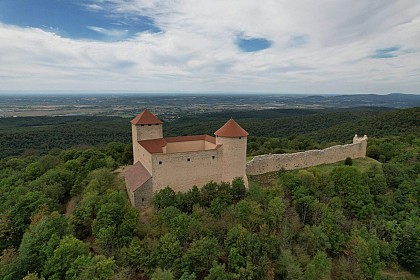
<point>136,176</point>
<point>156,145</point>
<point>146,117</point>
<point>153,145</point>
<point>231,129</point>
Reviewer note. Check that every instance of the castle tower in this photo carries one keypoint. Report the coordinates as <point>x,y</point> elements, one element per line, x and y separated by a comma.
<point>233,139</point>
<point>363,145</point>
<point>145,126</point>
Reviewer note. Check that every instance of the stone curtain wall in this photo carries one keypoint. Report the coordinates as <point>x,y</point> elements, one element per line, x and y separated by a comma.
<point>274,162</point>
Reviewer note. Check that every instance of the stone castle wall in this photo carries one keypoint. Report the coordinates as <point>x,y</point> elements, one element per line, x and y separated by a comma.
<point>181,171</point>
<point>274,162</point>
<point>143,196</point>
<point>146,131</point>
<point>142,155</point>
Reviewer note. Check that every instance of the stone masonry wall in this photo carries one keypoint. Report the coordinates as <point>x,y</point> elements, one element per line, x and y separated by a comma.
<point>181,171</point>
<point>143,196</point>
<point>274,162</point>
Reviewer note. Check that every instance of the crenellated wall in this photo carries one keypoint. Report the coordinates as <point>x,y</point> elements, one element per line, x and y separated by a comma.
<point>274,162</point>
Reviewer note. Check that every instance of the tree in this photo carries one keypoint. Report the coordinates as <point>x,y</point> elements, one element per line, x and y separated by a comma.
<point>162,275</point>
<point>319,267</point>
<point>249,214</point>
<point>140,255</point>
<point>202,253</point>
<point>186,201</point>
<point>186,228</point>
<point>208,193</point>
<point>40,241</point>
<point>69,249</point>
<point>217,206</point>
<point>188,276</point>
<point>238,189</point>
<point>87,267</point>
<point>394,174</point>
<point>348,161</point>
<point>276,209</point>
<point>20,213</point>
<point>366,249</point>
<point>236,260</point>
<point>349,184</point>
<point>116,222</point>
<point>288,267</point>
<point>409,246</point>
<point>164,198</point>
<point>169,249</point>
<point>217,272</point>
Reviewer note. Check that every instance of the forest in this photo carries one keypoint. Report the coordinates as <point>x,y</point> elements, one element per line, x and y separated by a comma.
<point>277,130</point>
<point>64,212</point>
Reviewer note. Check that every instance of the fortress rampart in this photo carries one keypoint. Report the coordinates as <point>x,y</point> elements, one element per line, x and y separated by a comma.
<point>274,162</point>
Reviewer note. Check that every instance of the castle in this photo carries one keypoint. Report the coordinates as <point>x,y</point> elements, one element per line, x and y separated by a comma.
<point>184,161</point>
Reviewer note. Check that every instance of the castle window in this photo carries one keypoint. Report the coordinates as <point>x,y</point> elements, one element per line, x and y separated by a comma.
<point>150,125</point>
<point>213,157</point>
<point>240,137</point>
<point>188,159</point>
<point>142,125</point>
<point>142,199</point>
<point>160,162</point>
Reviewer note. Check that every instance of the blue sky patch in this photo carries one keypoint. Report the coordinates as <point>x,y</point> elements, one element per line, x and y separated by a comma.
<point>72,19</point>
<point>385,53</point>
<point>247,44</point>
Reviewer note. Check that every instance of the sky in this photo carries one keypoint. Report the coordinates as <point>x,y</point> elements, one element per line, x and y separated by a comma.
<point>220,46</point>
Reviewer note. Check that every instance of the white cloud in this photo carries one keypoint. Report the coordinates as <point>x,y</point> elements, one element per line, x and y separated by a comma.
<point>93,7</point>
<point>110,33</point>
<point>196,49</point>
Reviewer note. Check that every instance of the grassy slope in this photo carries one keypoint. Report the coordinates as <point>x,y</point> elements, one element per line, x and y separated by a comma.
<point>362,164</point>
<point>268,179</point>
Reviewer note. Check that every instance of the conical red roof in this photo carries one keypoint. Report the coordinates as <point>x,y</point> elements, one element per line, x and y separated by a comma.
<point>231,129</point>
<point>146,117</point>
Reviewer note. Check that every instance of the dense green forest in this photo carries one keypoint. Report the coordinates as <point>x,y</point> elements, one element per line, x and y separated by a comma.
<point>64,214</point>
<point>275,131</point>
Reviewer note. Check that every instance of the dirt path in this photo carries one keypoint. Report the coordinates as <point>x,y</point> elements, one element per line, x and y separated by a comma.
<point>71,205</point>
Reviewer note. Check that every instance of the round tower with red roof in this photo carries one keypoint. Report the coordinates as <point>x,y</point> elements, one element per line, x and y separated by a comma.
<point>233,139</point>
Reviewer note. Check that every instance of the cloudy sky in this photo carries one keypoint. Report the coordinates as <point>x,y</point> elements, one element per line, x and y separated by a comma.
<point>279,46</point>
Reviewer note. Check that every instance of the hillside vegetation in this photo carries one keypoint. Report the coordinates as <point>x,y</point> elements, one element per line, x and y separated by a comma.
<point>274,131</point>
<point>329,222</point>
<point>338,222</point>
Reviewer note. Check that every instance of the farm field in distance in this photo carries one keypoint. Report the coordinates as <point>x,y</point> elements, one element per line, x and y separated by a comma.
<point>171,106</point>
